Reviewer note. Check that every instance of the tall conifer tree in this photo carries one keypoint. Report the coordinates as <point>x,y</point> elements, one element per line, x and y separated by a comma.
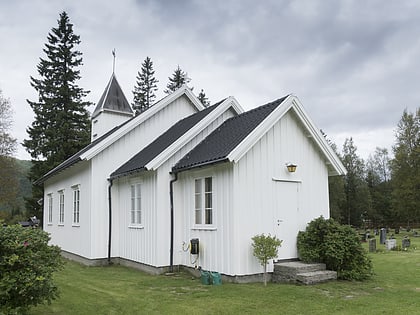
<point>62,124</point>
<point>406,168</point>
<point>145,88</point>
<point>178,78</point>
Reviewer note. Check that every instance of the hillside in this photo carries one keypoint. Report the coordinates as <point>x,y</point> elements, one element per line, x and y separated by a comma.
<point>13,211</point>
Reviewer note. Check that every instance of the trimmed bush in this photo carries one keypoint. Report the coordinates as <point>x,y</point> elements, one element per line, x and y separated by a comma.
<point>338,246</point>
<point>27,264</point>
<point>265,248</point>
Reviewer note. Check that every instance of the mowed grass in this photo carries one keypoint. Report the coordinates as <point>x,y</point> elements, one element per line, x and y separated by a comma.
<point>395,289</point>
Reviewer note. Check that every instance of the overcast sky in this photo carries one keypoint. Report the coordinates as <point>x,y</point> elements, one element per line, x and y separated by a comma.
<point>355,65</point>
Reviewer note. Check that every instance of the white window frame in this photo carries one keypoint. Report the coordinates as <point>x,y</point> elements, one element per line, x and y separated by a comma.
<point>76,205</point>
<point>204,202</point>
<point>135,215</point>
<point>50,208</point>
<point>61,207</point>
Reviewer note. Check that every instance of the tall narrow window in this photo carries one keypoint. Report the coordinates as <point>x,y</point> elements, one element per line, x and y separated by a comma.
<point>203,201</point>
<point>135,209</point>
<point>61,207</point>
<point>76,205</point>
<point>50,208</point>
<point>208,204</point>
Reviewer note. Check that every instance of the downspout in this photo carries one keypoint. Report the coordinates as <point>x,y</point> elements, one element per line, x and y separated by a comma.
<point>171,197</point>
<point>110,219</point>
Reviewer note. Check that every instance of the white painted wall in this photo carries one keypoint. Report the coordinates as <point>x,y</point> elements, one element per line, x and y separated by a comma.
<point>90,239</point>
<point>150,244</point>
<point>105,121</point>
<point>107,161</point>
<point>70,237</point>
<point>249,202</point>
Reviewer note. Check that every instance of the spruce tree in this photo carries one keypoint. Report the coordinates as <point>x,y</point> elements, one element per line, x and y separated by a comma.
<point>62,124</point>
<point>406,168</point>
<point>145,88</point>
<point>203,98</point>
<point>178,78</point>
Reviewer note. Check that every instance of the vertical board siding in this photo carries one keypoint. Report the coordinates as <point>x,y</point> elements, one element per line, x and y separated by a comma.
<point>69,237</point>
<point>118,153</point>
<point>248,201</point>
<point>137,243</point>
<point>215,243</point>
<point>151,243</point>
<point>263,201</point>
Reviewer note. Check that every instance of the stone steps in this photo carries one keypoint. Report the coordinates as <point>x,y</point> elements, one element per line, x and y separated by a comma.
<point>299,272</point>
<point>316,277</point>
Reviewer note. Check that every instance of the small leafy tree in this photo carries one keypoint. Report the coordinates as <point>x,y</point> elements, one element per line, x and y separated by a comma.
<point>338,246</point>
<point>265,248</point>
<point>27,264</point>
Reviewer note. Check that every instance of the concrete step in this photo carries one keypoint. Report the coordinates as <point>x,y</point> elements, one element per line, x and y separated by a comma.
<point>297,267</point>
<point>316,277</point>
<point>299,272</point>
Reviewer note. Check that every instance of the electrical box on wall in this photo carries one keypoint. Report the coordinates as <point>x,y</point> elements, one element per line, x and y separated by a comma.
<point>194,246</point>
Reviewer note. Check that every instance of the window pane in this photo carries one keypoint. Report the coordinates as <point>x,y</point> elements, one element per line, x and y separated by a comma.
<point>198,186</point>
<point>208,184</point>
<point>138,217</point>
<point>133,219</point>
<point>198,216</point>
<point>209,216</point>
<point>197,201</point>
<point>209,203</point>
<point>138,190</point>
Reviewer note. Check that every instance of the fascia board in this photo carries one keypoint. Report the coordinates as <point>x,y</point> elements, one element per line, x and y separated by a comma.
<point>194,100</point>
<point>235,105</point>
<point>139,120</point>
<point>243,147</point>
<point>314,132</point>
<point>190,134</point>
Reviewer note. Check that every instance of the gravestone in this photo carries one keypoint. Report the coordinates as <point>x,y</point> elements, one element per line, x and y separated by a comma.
<point>382,236</point>
<point>405,242</point>
<point>372,245</point>
<point>391,243</point>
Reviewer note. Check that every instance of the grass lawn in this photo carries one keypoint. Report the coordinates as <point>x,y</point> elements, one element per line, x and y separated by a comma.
<point>395,289</point>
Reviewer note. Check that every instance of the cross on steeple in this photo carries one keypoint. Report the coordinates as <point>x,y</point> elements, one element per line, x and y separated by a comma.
<point>113,63</point>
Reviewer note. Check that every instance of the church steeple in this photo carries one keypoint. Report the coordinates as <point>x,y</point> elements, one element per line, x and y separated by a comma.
<point>111,110</point>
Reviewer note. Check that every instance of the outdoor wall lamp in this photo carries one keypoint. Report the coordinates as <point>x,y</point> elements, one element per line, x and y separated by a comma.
<point>291,167</point>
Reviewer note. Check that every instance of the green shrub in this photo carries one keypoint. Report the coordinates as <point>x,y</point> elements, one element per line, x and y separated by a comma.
<point>27,264</point>
<point>338,246</point>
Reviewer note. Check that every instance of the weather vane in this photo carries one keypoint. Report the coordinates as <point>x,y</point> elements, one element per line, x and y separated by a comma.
<point>113,63</point>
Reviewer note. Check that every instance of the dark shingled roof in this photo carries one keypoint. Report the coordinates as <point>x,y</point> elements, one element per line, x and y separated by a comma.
<point>138,162</point>
<point>216,147</point>
<point>113,99</point>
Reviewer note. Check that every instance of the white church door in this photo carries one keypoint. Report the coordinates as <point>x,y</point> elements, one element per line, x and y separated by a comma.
<point>286,217</point>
